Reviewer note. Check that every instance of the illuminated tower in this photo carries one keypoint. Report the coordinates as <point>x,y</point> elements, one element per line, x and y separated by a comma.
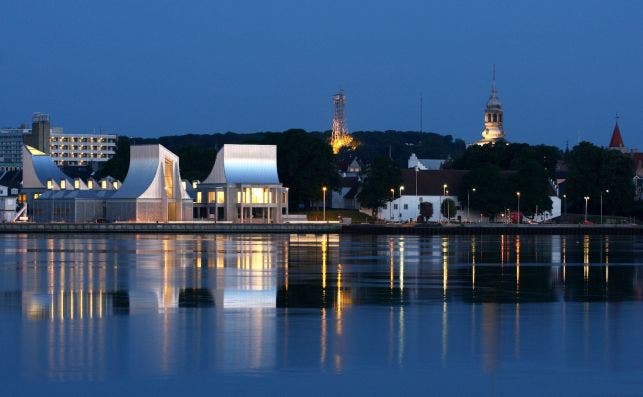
<point>493,114</point>
<point>339,137</point>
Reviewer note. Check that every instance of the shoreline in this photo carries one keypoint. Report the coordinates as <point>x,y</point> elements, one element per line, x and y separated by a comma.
<point>315,228</point>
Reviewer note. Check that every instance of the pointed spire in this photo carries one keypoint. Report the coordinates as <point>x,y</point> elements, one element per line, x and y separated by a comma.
<point>493,79</point>
<point>617,140</point>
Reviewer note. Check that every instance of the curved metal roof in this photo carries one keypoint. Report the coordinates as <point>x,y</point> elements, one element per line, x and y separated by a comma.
<point>252,164</point>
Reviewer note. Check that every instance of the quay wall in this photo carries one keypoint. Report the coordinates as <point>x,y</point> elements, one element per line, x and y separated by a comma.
<point>314,228</point>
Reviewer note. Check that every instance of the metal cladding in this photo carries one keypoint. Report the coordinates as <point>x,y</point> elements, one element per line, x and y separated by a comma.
<point>38,168</point>
<point>145,176</point>
<point>251,164</point>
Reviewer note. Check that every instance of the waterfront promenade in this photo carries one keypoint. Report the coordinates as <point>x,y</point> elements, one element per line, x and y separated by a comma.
<point>317,227</point>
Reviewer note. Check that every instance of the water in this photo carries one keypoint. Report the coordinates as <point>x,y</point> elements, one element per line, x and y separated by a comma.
<point>277,314</point>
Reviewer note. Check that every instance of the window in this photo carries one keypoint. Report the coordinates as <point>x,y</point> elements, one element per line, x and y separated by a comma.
<point>90,184</point>
<point>199,197</point>
<point>394,206</point>
<point>406,206</point>
<point>50,184</point>
<point>76,184</point>
<point>211,197</point>
<point>220,197</point>
<point>63,184</point>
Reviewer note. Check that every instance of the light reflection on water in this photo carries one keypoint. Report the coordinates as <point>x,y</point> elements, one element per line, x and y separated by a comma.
<point>107,307</point>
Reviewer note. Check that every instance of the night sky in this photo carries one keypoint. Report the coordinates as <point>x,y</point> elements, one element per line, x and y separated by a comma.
<point>151,68</point>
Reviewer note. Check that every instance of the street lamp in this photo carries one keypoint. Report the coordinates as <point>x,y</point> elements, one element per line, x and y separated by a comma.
<point>468,190</point>
<point>324,200</point>
<point>606,191</point>
<point>564,204</point>
<point>518,195</point>
<point>448,209</point>
<point>586,200</point>
<point>444,193</point>
<point>401,188</point>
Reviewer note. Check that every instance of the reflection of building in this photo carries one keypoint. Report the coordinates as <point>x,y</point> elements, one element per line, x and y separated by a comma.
<point>152,190</point>
<point>243,186</point>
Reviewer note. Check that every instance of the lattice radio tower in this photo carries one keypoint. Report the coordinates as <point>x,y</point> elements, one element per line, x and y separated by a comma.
<point>339,137</point>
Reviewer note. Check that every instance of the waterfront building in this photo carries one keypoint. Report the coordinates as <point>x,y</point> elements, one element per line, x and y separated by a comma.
<point>152,190</point>
<point>430,188</point>
<point>493,131</point>
<point>243,187</point>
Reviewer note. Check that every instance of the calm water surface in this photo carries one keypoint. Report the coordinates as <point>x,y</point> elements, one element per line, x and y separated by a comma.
<point>322,314</point>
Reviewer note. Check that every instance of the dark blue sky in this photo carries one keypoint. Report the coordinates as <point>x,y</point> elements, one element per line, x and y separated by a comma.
<point>150,68</point>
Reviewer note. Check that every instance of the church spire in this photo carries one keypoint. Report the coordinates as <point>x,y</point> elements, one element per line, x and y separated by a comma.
<point>493,115</point>
<point>617,140</point>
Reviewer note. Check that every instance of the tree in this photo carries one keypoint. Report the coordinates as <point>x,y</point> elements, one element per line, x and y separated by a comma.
<point>118,165</point>
<point>448,208</point>
<point>426,211</point>
<point>532,182</point>
<point>382,176</point>
<point>305,164</point>
<point>492,191</point>
<point>593,170</point>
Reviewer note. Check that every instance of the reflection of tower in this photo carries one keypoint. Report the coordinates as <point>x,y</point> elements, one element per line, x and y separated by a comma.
<point>339,137</point>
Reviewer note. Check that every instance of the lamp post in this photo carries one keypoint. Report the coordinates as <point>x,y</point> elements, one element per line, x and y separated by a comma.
<point>606,191</point>
<point>324,200</point>
<point>468,190</point>
<point>401,188</point>
<point>518,195</point>
<point>444,193</point>
<point>390,207</point>
<point>564,204</point>
<point>586,200</point>
<point>448,209</point>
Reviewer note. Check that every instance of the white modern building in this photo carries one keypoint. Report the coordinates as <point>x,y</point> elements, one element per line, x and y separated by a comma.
<point>243,187</point>
<point>152,190</point>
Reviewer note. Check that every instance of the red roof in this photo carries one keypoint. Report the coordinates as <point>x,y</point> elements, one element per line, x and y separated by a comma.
<point>617,140</point>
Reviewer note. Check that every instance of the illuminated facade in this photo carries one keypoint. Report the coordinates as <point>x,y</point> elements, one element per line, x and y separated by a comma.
<point>81,149</point>
<point>243,187</point>
<point>493,118</point>
<point>153,190</point>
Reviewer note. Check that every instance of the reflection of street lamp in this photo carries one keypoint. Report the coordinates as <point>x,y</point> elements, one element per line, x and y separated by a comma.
<point>606,191</point>
<point>468,190</point>
<point>586,200</point>
<point>518,195</point>
<point>390,207</point>
<point>324,200</point>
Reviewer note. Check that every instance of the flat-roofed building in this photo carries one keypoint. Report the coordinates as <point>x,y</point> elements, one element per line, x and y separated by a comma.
<point>73,149</point>
<point>243,187</point>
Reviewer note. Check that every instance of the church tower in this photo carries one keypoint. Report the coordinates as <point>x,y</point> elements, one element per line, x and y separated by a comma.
<point>493,117</point>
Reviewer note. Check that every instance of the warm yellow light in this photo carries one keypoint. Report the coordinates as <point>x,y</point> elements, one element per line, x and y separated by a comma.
<point>518,194</point>
<point>324,188</point>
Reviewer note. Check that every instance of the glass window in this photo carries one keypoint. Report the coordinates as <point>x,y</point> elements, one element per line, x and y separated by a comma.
<point>211,197</point>
<point>199,197</point>
<point>394,206</point>
<point>220,197</point>
<point>406,206</point>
